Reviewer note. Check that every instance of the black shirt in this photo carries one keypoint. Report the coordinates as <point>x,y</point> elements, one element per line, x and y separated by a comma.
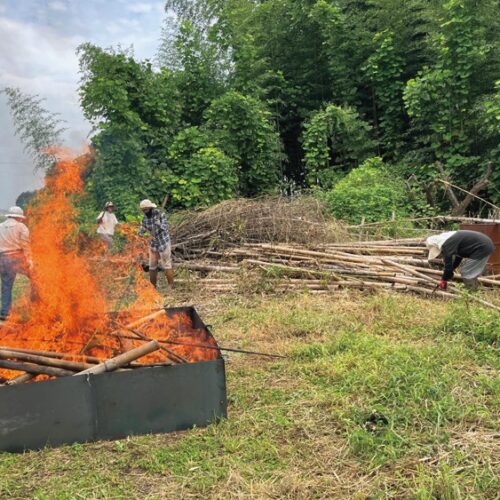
<point>464,244</point>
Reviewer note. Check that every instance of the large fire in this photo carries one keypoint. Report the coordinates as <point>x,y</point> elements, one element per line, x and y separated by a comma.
<point>82,301</point>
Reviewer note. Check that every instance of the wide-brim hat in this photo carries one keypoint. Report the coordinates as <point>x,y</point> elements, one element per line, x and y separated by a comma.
<point>434,252</point>
<point>16,212</point>
<point>147,204</point>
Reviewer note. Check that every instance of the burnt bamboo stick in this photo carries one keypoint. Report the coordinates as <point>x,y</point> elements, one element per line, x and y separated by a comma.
<point>42,360</point>
<point>36,369</point>
<point>54,354</point>
<point>217,348</point>
<point>146,319</point>
<point>20,379</point>
<point>122,359</point>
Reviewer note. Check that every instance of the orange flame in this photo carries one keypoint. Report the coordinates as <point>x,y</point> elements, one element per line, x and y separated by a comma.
<point>74,288</point>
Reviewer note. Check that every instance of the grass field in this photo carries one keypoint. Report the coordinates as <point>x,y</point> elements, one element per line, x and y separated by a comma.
<point>381,396</point>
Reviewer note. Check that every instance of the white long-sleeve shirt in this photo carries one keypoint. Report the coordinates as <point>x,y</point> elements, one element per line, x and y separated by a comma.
<point>109,221</point>
<point>14,237</point>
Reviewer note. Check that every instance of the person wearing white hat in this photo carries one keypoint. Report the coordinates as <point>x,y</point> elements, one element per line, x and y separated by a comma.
<point>155,222</point>
<point>15,255</point>
<point>471,247</point>
<point>107,222</point>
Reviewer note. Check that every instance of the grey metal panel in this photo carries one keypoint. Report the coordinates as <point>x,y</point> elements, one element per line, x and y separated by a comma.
<point>45,414</point>
<point>111,405</point>
<point>160,399</point>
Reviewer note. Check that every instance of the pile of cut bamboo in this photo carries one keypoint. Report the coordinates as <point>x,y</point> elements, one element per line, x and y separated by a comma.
<point>399,265</point>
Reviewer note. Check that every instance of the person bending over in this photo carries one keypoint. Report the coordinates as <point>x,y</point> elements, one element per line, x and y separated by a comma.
<point>469,248</point>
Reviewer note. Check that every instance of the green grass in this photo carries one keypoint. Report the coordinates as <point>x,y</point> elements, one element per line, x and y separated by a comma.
<point>381,396</point>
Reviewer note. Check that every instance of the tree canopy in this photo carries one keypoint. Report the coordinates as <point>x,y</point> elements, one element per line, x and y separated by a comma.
<point>250,97</point>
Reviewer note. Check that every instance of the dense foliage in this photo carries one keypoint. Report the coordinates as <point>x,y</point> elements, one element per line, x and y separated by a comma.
<point>368,192</point>
<point>249,97</point>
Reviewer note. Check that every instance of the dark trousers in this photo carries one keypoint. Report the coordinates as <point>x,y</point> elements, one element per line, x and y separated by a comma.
<point>10,265</point>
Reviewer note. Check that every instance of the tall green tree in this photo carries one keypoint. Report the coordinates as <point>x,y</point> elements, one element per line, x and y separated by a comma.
<point>242,128</point>
<point>440,100</point>
<point>336,139</point>
<point>39,129</point>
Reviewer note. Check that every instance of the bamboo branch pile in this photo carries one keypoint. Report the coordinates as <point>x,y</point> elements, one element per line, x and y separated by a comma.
<point>238,221</point>
<point>399,265</point>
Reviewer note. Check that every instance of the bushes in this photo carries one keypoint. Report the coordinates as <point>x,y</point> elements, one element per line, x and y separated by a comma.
<point>368,191</point>
<point>201,173</point>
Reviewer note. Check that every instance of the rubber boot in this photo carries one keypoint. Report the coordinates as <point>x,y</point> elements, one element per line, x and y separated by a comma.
<point>472,284</point>
<point>153,276</point>
<point>169,273</point>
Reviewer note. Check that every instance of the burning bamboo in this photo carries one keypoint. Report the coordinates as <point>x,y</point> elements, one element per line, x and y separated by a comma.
<point>175,357</point>
<point>43,360</point>
<point>122,359</point>
<point>54,354</point>
<point>20,379</point>
<point>34,369</point>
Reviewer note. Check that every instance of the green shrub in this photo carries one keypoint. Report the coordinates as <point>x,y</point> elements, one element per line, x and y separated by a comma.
<point>368,191</point>
<point>201,174</point>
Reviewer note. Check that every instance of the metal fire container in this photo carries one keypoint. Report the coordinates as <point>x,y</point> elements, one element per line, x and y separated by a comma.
<point>493,231</point>
<point>114,405</point>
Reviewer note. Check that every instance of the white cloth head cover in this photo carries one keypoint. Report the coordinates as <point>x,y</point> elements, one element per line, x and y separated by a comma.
<point>435,243</point>
<point>16,212</point>
<point>147,204</point>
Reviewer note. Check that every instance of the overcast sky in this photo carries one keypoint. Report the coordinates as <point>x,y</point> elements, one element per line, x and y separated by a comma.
<point>38,39</point>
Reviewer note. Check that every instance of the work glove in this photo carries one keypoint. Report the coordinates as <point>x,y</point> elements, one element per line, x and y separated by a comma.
<point>443,285</point>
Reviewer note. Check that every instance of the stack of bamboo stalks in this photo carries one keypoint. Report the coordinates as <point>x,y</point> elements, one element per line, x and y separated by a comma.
<point>389,264</point>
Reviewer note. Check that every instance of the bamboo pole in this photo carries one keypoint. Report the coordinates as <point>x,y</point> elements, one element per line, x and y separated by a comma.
<point>284,267</point>
<point>42,360</point>
<point>35,369</point>
<point>122,359</point>
<point>208,267</point>
<point>20,379</point>
<point>54,354</point>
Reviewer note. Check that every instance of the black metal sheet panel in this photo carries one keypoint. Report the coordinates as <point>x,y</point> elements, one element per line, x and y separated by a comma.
<point>160,399</point>
<point>111,405</point>
<point>45,414</point>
